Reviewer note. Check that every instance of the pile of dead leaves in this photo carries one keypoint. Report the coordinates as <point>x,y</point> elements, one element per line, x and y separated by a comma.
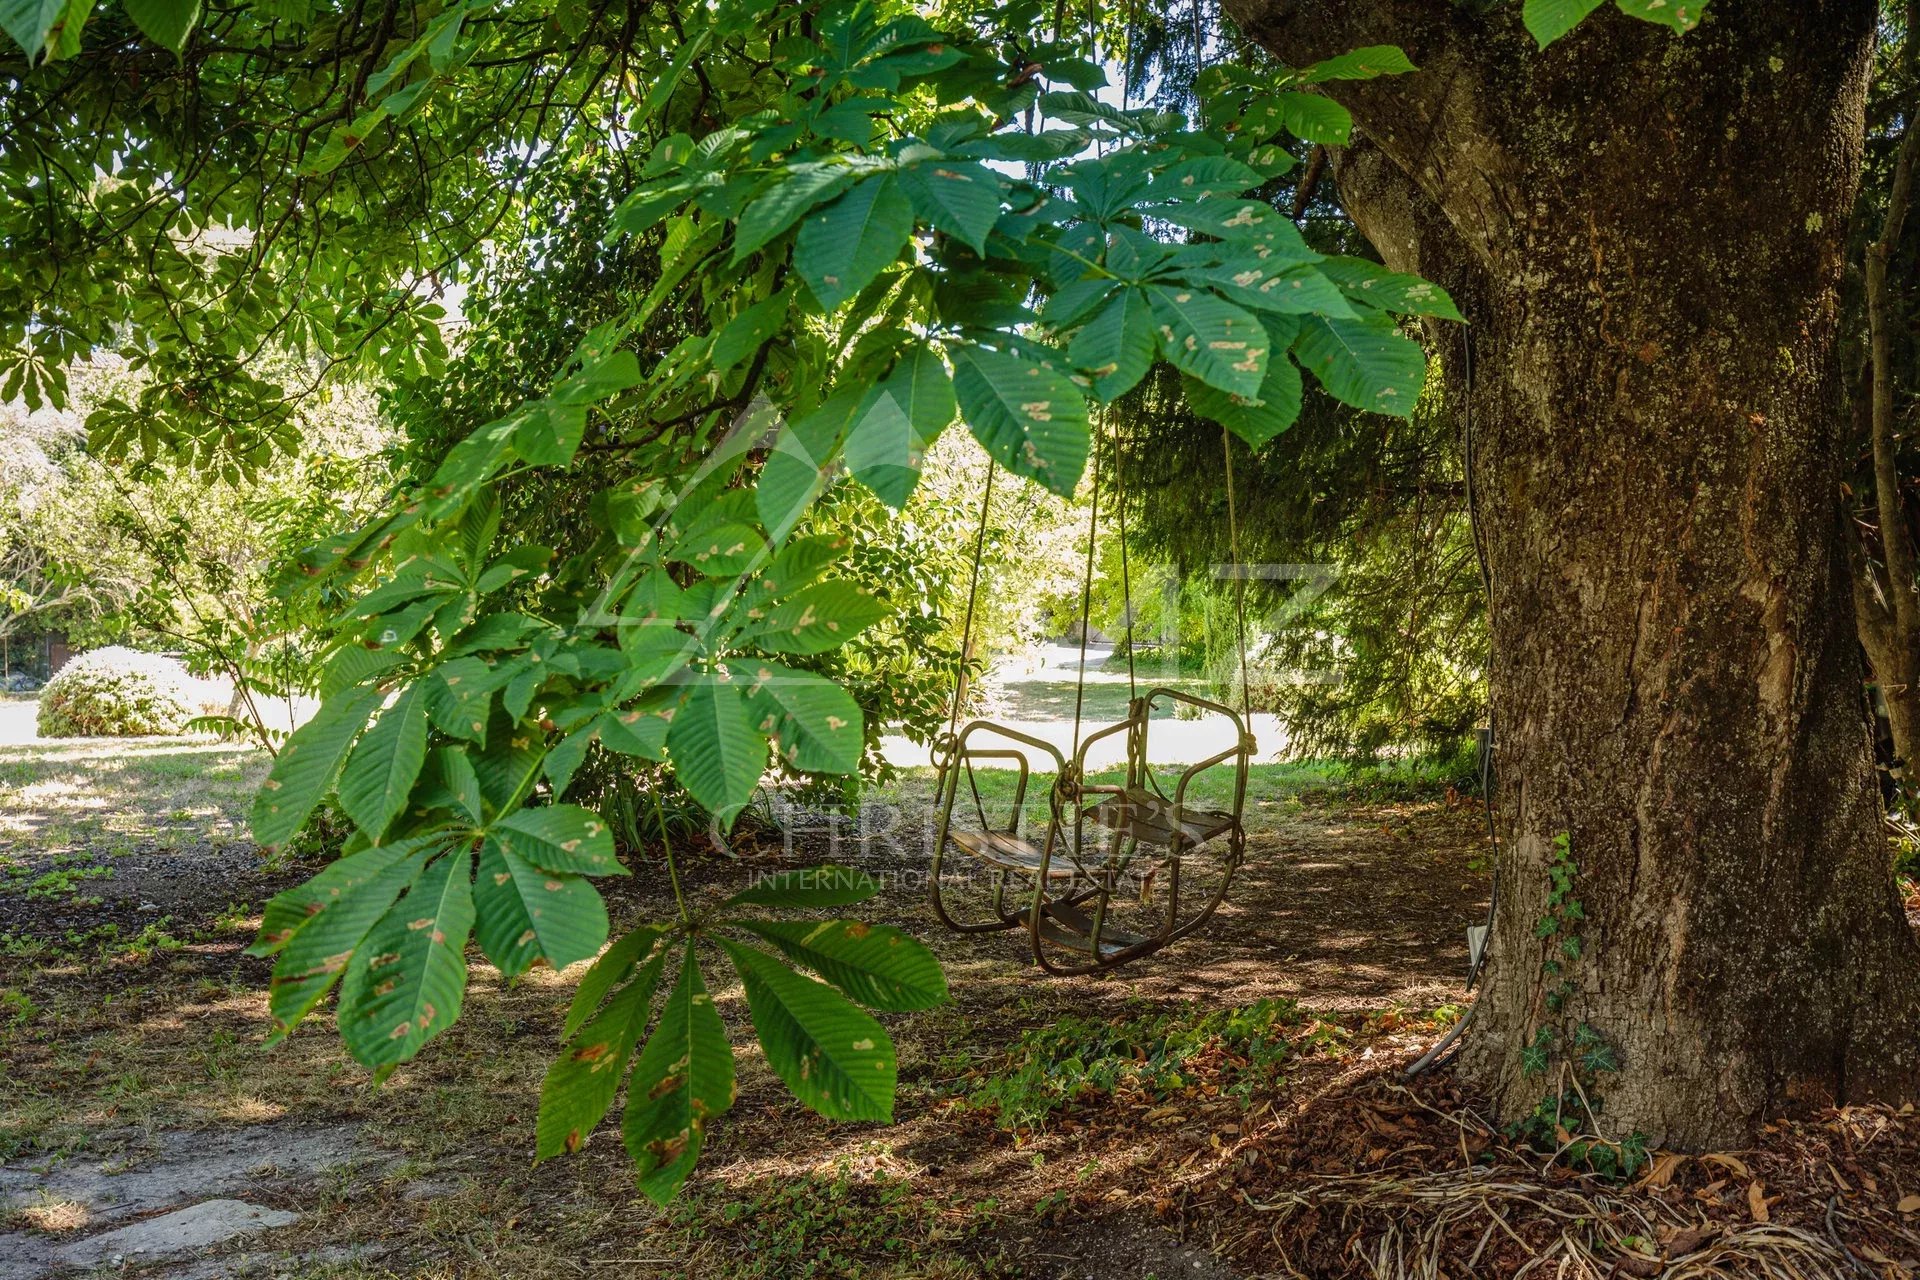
<point>1373,1178</point>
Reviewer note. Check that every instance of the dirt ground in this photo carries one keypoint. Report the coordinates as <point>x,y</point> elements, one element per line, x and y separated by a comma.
<point>139,1101</point>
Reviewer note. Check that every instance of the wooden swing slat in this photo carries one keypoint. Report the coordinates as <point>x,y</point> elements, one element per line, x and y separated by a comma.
<point>1143,816</point>
<point>1009,852</point>
<point>1067,926</point>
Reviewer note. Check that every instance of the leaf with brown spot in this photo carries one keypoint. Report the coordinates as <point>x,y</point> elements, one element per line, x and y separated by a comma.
<point>581,1084</point>
<point>665,1132</point>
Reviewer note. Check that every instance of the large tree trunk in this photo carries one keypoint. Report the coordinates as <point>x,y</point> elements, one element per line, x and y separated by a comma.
<point>1645,232</point>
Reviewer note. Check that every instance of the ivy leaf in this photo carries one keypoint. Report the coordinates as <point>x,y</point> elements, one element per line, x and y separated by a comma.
<point>842,247</point>
<point>814,722</point>
<point>1030,419</point>
<point>307,763</point>
<point>1204,335</point>
<point>580,1085</point>
<point>1116,346</point>
<point>1365,362</point>
<point>876,964</point>
<point>526,915</point>
<point>559,837</point>
<point>716,753</point>
<point>957,196</point>
<point>405,984</point>
<point>684,1078</point>
<point>382,769</point>
<point>835,1058</point>
<point>825,886</point>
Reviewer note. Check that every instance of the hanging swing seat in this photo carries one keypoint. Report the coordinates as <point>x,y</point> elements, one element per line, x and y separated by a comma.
<point>1112,874</point>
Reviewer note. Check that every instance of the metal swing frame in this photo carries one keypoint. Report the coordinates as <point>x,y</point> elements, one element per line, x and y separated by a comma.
<point>1060,885</point>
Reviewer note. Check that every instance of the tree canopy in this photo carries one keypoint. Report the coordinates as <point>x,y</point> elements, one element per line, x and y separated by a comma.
<point>855,225</point>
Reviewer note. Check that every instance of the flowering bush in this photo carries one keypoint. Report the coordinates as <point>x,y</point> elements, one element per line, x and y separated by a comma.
<point>118,692</point>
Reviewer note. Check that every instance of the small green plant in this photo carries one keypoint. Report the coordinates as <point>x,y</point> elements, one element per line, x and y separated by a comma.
<point>1565,1122</point>
<point>1239,1051</point>
<point>835,1224</point>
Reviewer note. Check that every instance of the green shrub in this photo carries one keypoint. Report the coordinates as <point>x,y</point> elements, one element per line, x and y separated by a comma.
<point>118,693</point>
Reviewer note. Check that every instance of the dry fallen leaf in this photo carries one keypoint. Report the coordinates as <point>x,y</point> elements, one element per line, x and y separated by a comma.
<point>1757,1201</point>
<point>1908,1204</point>
<point>1733,1164</point>
<point>1685,1242</point>
<point>1664,1167</point>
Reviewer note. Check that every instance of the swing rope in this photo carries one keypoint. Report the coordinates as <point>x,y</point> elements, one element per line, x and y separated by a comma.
<point>1239,574</point>
<point>1086,602</point>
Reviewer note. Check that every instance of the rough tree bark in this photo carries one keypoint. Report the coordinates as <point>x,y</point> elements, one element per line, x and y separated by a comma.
<point>1645,232</point>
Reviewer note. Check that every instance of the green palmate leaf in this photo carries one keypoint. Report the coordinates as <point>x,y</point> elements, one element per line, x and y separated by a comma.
<point>716,753</point>
<point>29,21</point>
<point>581,1083</point>
<point>1364,362</point>
<point>684,1078</point>
<point>747,332</point>
<point>306,765</point>
<point>802,459</point>
<point>528,916</point>
<point>1215,341</point>
<point>317,927</point>
<point>836,1058</point>
<point>354,665</point>
<point>1029,418</point>
<point>641,729</point>
<point>1682,15</point>
<point>1548,20</point>
<point>805,186</point>
<point>1116,346</point>
<point>453,784</point>
<point>459,693</point>
<point>167,22</point>
<point>610,970</point>
<point>842,247</point>
<point>1373,284</point>
<point>827,886</point>
<point>876,964</point>
<point>957,196</point>
<point>405,983</point>
<point>1254,420</point>
<point>559,837</point>
<point>382,769</point>
<point>811,720</point>
<point>896,422</point>
<point>817,618</point>
<point>1315,119</point>
<point>1361,64</point>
